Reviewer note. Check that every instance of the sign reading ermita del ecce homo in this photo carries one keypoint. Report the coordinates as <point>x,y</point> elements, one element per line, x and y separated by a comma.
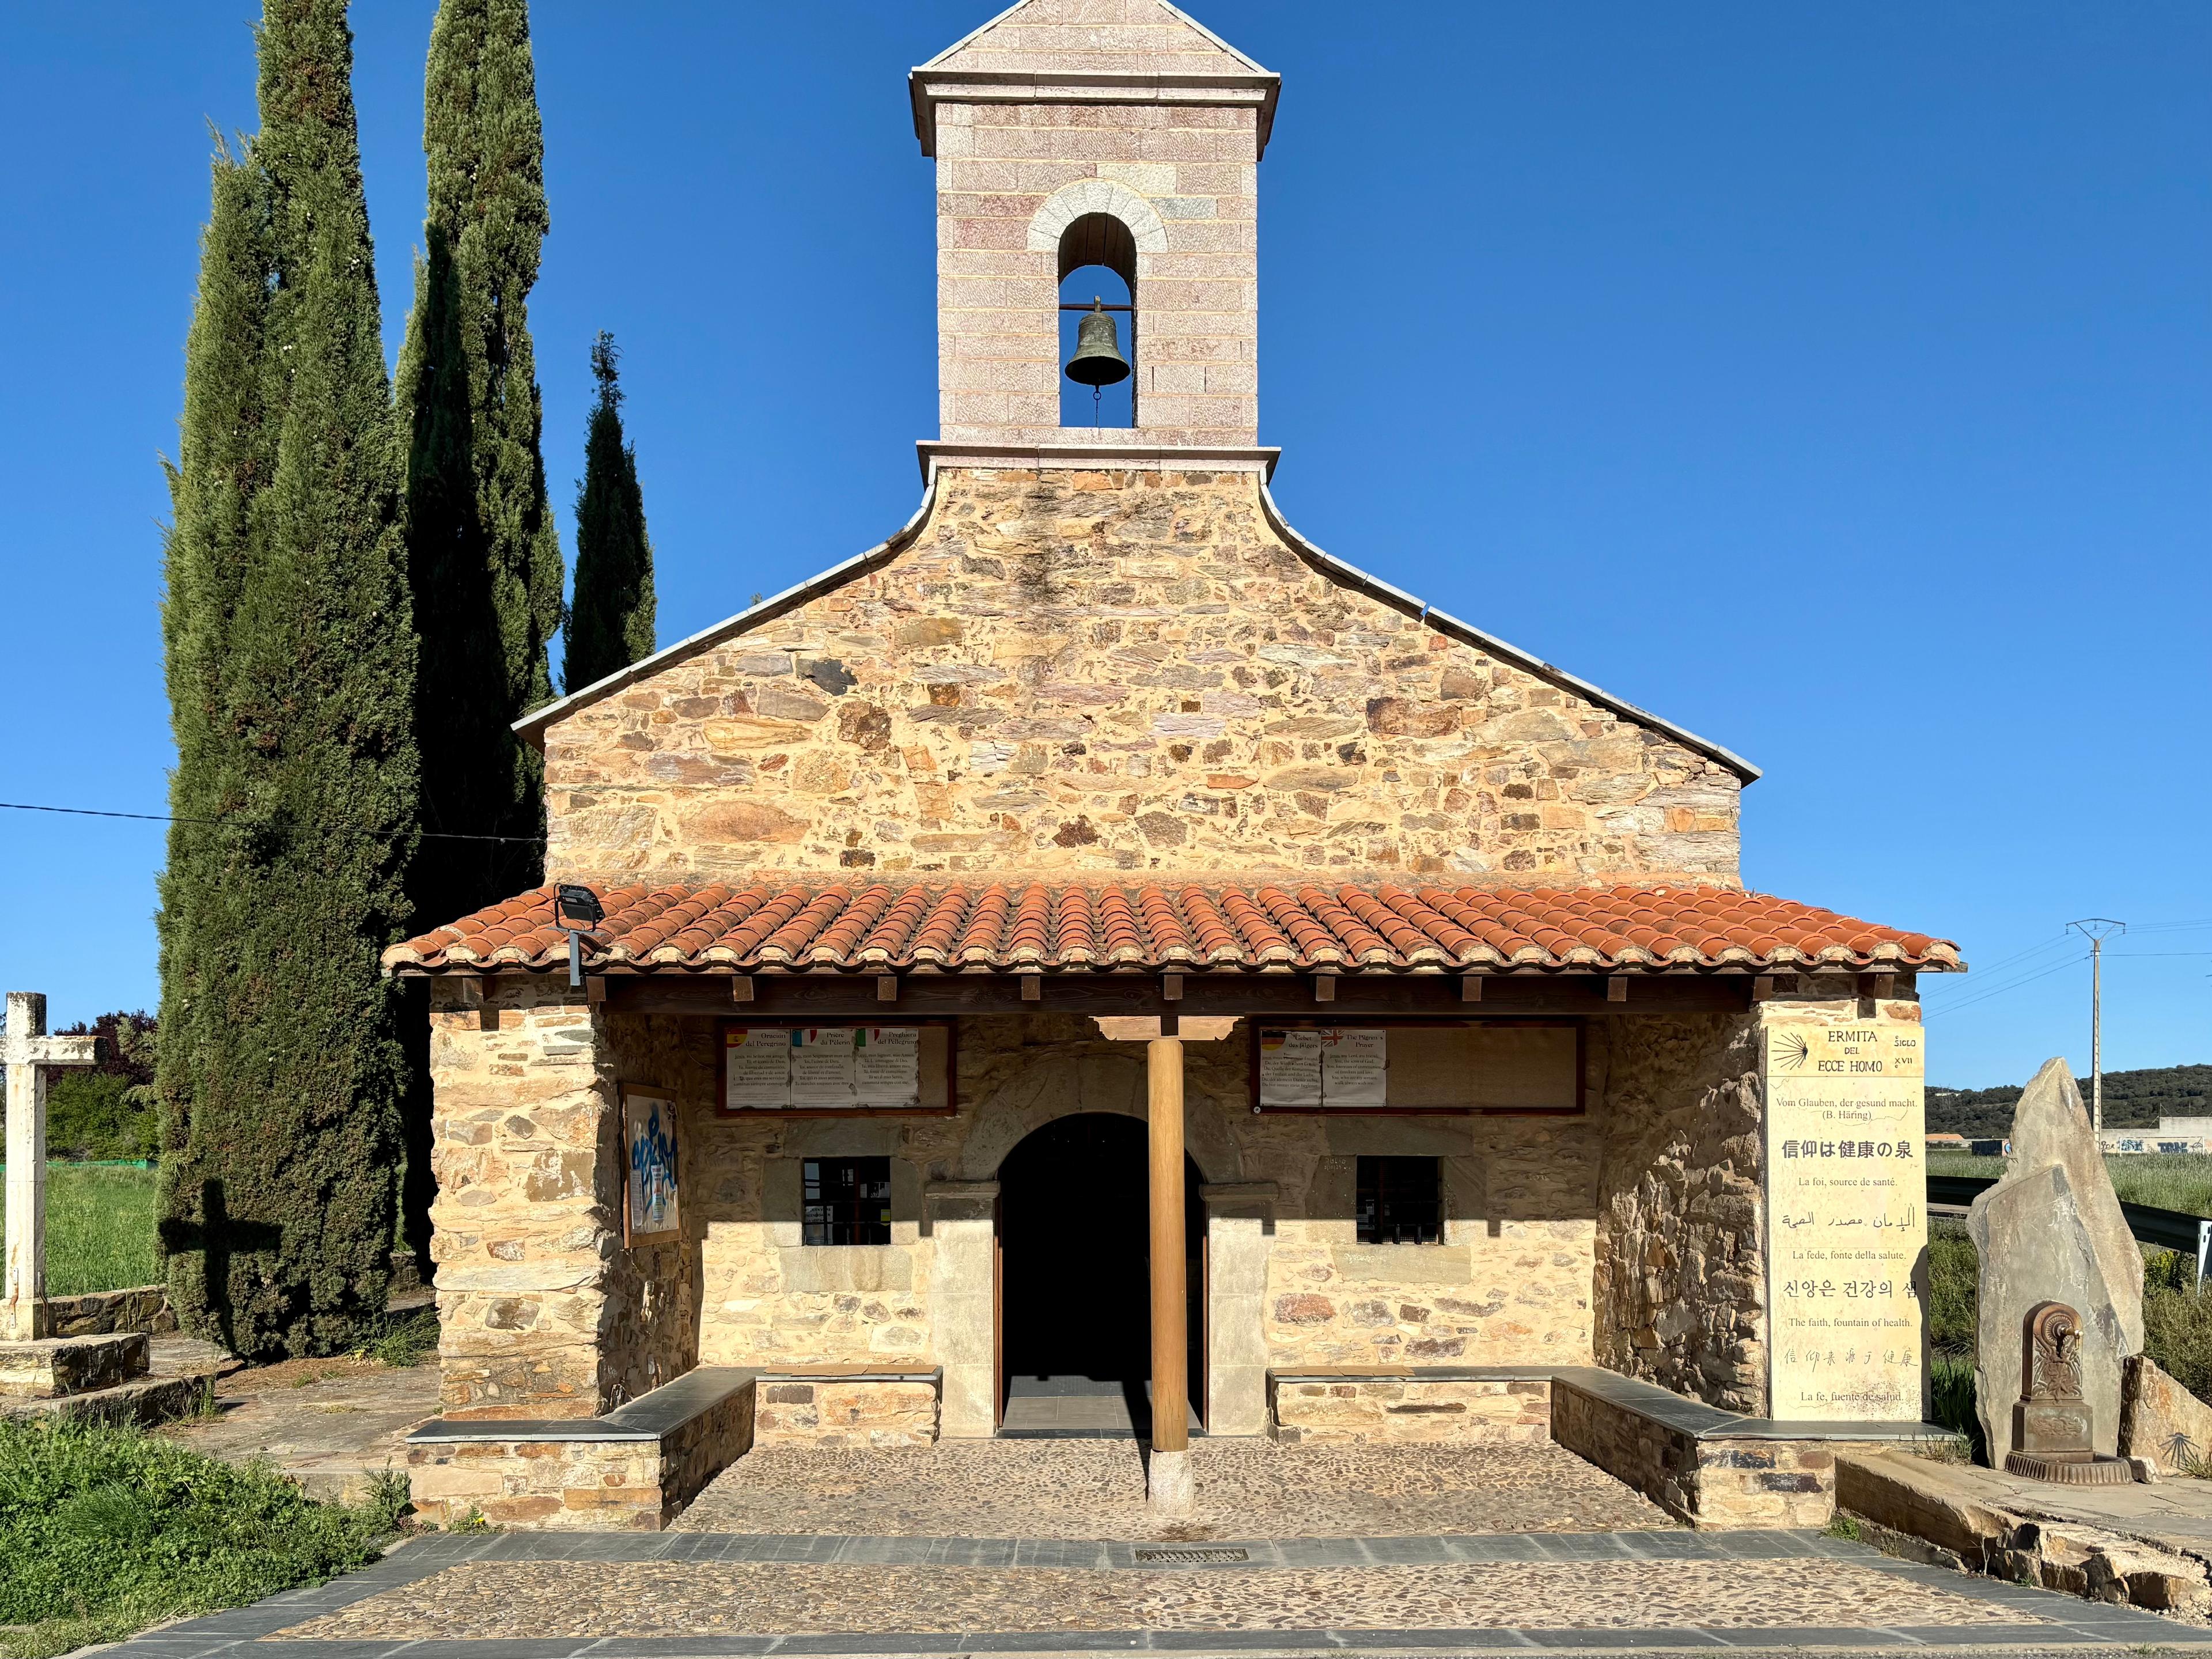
<point>1847,1220</point>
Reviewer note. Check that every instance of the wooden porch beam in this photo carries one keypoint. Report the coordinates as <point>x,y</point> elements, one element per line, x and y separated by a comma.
<point>1358,996</point>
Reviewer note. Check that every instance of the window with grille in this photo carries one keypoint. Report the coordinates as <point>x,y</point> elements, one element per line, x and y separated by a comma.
<point>847,1200</point>
<point>1400,1201</point>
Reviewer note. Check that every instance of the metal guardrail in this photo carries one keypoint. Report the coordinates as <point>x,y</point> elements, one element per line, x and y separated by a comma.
<point>2162,1230</point>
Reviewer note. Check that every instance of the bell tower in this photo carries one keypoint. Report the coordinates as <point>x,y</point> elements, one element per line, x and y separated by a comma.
<point>1120,133</point>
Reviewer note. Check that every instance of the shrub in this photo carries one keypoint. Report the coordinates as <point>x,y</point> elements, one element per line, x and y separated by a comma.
<point>105,1530</point>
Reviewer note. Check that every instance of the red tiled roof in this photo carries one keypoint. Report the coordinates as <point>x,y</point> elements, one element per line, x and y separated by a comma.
<point>776,922</point>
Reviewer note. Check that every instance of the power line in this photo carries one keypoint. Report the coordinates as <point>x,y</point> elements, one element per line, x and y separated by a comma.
<point>2000,990</point>
<point>166,817</point>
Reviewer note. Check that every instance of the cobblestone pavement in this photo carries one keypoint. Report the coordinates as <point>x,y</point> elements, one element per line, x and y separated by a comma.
<point>579,1598</point>
<point>731,1596</point>
<point>1096,1489</point>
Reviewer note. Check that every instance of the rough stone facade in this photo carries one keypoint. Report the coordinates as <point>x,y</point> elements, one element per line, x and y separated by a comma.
<point>1112,673</point>
<point>1680,1276</point>
<point>547,1314</point>
<point>543,1312</point>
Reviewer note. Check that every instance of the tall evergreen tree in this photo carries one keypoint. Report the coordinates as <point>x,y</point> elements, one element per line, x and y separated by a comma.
<point>483,559</point>
<point>610,616</point>
<point>291,661</point>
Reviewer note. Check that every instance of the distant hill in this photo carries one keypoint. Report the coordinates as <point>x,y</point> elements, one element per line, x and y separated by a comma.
<point>2131,1098</point>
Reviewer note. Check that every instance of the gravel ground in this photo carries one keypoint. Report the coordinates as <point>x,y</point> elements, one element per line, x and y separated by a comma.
<point>1096,1489</point>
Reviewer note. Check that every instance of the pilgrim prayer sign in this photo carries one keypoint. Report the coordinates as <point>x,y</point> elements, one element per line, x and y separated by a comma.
<point>1433,1066</point>
<point>1847,1228</point>
<point>772,1067</point>
<point>649,1208</point>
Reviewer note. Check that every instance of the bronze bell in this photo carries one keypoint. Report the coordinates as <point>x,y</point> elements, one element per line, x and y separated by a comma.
<point>1097,360</point>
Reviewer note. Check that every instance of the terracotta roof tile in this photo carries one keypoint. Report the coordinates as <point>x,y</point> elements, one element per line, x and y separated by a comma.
<point>1383,926</point>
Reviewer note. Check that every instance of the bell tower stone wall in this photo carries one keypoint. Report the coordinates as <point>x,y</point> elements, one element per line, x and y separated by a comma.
<point>1064,108</point>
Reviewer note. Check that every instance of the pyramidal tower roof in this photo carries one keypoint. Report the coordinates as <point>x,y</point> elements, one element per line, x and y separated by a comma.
<point>1125,49</point>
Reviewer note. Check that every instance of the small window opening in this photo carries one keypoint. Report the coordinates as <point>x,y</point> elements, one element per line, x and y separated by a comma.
<point>847,1202</point>
<point>1400,1201</point>
<point>1098,263</point>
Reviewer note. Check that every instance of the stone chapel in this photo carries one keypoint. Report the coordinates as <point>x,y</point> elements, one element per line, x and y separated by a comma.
<point>1099,963</point>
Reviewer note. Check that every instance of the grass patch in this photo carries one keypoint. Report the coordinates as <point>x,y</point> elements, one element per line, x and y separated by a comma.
<point>100,1229</point>
<point>407,1338</point>
<point>104,1530</point>
<point>2164,1180</point>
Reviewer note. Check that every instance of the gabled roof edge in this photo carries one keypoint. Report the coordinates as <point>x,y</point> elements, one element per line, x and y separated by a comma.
<point>531,727</point>
<point>1442,621</point>
<point>924,124</point>
<point>1177,12</point>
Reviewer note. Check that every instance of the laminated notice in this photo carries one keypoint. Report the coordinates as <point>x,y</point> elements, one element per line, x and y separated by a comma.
<point>755,1065</point>
<point>887,1065</point>
<point>1354,1067</point>
<point>1290,1068</point>
<point>821,1066</point>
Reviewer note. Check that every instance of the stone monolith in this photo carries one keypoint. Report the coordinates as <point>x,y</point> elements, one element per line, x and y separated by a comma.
<point>2051,1125</point>
<point>2035,1248</point>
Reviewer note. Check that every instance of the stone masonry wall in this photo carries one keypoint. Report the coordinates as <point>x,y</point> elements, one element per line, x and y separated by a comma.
<point>1508,1284</point>
<point>1076,673</point>
<point>1680,1268</point>
<point>1184,179</point>
<point>1511,1283</point>
<point>543,1313</point>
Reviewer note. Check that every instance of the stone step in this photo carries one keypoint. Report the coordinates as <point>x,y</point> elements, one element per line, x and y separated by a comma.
<point>53,1366</point>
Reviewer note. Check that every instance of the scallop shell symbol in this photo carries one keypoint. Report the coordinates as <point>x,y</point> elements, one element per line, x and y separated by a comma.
<point>1791,1051</point>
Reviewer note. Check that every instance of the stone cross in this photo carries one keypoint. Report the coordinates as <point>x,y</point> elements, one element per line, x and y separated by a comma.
<point>30,1054</point>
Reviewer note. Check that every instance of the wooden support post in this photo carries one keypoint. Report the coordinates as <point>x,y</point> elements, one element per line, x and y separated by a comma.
<point>1168,1478</point>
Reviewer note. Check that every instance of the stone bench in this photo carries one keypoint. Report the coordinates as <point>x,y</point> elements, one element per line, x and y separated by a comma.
<point>1429,1405</point>
<point>1704,1466</point>
<point>638,1466</point>
<point>846,1406</point>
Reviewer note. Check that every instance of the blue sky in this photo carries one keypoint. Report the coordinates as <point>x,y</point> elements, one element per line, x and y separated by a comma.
<point>1833,381</point>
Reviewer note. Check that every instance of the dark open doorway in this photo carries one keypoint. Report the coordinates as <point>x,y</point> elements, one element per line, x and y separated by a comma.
<point>1075,1292</point>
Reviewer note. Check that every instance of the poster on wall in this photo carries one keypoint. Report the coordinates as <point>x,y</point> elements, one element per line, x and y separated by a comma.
<point>649,1194</point>
<point>1329,1065</point>
<point>755,1065</point>
<point>1290,1068</point>
<point>1847,1224</point>
<point>887,1065</point>
<point>1354,1067</point>
<point>821,1066</point>
<point>818,1067</point>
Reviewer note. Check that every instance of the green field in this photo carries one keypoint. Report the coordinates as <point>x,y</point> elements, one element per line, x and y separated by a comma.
<point>2164,1180</point>
<point>99,1228</point>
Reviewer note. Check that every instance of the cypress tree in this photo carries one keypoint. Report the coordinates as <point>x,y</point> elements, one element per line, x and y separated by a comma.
<point>483,560</point>
<point>610,616</point>
<point>290,660</point>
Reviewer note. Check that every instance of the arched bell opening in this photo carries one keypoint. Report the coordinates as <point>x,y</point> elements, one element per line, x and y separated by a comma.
<point>1097,323</point>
